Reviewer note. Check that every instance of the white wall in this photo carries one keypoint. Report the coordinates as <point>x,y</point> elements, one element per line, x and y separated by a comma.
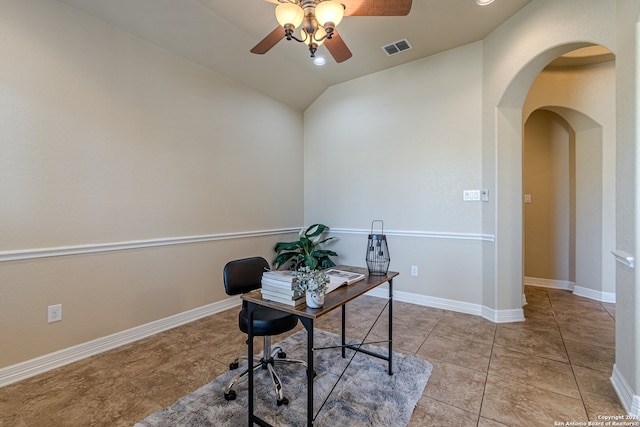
<point>401,145</point>
<point>106,139</point>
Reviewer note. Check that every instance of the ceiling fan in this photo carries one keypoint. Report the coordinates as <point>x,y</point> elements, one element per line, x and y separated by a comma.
<point>318,19</point>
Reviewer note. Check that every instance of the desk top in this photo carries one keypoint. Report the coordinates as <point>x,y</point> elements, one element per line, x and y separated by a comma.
<point>332,300</point>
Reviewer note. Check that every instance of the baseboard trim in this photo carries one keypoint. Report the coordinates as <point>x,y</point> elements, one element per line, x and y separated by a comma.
<point>629,400</point>
<point>580,291</point>
<point>30,368</point>
<point>549,283</point>
<point>496,316</point>
<point>595,295</point>
<point>503,316</point>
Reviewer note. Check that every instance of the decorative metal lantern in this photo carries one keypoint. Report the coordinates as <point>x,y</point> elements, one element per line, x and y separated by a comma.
<point>378,252</point>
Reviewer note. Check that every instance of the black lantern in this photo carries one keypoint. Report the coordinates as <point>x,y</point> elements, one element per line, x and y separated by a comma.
<point>378,252</point>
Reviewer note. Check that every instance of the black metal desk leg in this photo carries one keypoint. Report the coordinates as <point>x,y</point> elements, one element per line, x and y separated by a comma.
<point>344,322</point>
<point>308,325</point>
<point>390,326</point>
<point>250,308</point>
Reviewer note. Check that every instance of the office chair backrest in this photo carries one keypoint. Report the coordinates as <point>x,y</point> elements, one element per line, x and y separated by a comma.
<point>244,275</point>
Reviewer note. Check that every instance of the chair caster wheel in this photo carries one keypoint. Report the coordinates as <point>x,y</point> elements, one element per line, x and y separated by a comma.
<point>284,401</point>
<point>315,374</point>
<point>231,395</point>
<point>282,355</point>
<point>233,365</point>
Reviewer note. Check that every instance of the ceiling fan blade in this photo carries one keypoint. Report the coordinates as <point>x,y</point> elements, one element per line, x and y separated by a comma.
<point>337,48</point>
<point>372,7</point>
<point>268,42</point>
<point>376,7</point>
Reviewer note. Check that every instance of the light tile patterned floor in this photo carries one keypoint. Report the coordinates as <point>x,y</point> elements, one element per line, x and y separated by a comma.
<point>553,367</point>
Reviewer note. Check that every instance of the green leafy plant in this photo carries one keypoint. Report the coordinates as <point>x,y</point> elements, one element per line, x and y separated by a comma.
<point>305,252</point>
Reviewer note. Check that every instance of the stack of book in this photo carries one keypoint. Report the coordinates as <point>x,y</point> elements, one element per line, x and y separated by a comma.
<point>278,286</point>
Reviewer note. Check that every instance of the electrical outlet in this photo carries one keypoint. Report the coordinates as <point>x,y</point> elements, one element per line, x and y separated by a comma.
<point>54,313</point>
<point>414,270</point>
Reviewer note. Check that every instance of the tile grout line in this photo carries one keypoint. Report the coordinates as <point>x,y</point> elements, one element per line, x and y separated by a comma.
<point>564,344</point>
<point>486,378</point>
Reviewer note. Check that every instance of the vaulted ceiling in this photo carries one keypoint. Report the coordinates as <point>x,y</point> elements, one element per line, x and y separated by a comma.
<point>218,35</point>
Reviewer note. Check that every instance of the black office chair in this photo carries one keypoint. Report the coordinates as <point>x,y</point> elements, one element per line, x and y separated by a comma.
<point>241,276</point>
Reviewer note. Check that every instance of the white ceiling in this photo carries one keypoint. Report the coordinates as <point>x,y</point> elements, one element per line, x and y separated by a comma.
<point>218,34</point>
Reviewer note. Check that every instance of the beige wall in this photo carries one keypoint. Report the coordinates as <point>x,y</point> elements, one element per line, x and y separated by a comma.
<point>514,55</point>
<point>548,218</point>
<point>584,97</point>
<point>402,145</point>
<point>627,202</point>
<point>106,139</point>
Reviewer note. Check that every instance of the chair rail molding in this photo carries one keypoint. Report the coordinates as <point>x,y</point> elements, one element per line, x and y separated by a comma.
<point>422,234</point>
<point>24,254</point>
<point>624,258</point>
<point>34,253</point>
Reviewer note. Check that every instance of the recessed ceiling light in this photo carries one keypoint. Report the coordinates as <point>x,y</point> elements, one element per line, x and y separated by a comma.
<point>484,2</point>
<point>319,60</point>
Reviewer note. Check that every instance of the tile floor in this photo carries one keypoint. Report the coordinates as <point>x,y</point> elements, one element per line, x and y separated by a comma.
<point>553,367</point>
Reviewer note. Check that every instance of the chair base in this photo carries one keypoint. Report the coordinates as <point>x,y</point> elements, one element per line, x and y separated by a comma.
<point>270,358</point>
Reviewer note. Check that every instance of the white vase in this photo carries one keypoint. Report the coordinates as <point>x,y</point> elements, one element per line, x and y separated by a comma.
<point>315,299</point>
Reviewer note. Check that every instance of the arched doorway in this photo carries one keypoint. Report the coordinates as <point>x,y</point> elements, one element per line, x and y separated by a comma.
<point>566,234</point>
<point>512,108</point>
<point>549,189</point>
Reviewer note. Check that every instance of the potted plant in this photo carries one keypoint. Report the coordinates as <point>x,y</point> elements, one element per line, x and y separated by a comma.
<point>305,251</point>
<point>314,285</point>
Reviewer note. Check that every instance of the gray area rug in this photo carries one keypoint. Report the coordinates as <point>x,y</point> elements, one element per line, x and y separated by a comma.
<point>365,396</point>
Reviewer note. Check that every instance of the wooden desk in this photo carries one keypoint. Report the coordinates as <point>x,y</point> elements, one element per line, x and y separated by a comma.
<point>307,316</point>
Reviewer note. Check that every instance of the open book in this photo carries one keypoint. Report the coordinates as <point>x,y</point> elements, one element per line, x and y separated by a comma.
<point>339,278</point>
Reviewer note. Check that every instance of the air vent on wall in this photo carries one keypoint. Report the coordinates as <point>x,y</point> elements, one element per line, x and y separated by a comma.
<point>397,47</point>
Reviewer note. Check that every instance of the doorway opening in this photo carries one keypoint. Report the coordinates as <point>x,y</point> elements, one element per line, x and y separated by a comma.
<point>568,176</point>
<point>549,197</point>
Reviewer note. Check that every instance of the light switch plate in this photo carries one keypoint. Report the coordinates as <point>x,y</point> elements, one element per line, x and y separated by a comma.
<point>471,195</point>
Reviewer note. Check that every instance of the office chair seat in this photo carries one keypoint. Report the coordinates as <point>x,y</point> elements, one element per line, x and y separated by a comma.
<point>241,276</point>
<point>266,321</point>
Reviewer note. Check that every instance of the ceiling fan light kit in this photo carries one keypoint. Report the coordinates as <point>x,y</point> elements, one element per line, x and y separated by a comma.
<point>289,14</point>
<point>330,12</point>
<point>318,20</point>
